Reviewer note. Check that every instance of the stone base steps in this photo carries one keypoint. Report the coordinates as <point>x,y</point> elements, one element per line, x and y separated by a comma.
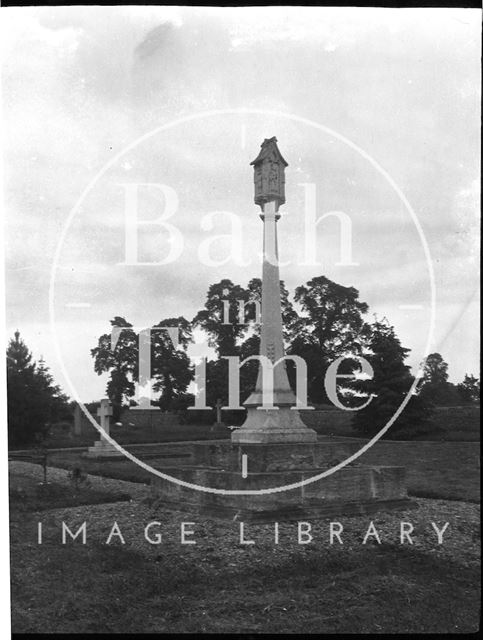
<point>103,450</point>
<point>273,457</point>
<point>266,482</point>
<point>272,493</point>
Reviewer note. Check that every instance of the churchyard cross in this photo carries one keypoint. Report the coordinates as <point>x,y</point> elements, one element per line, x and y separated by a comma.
<point>104,413</point>
<point>102,448</point>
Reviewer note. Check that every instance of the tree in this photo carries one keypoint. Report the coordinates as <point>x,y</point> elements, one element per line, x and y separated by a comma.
<point>290,318</point>
<point>59,404</point>
<point>121,363</point>
<point>389,386</point>
<point>435,369</point>
<point>434,385</point>
<point>33,398</point>
<point>170,367</point>
<point>469,389</point>
<point>331,326</point>
<point>251,345</point>
<point>217,381</point>
<point>223,337</point>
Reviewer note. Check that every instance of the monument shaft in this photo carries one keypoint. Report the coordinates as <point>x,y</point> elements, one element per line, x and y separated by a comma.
<point>283,422</point>
<point>271,339</point>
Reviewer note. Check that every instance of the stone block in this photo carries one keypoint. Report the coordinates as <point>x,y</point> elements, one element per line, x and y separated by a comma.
<point>353,489</point>
<point>273,457</point>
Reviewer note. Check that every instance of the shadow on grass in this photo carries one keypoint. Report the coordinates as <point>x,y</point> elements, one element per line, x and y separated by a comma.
<point>381,589</point>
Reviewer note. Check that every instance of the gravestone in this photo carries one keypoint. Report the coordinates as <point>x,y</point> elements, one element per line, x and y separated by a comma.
<point>102,448</point>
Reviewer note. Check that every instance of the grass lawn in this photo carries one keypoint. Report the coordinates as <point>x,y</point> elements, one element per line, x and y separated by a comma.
<point>27,494</point>
<point>445,470</point>
<point>372,591</point>
<point>448,424</point>
<point>121,469</point>
<point>220,586</point>
<point>126,435</point>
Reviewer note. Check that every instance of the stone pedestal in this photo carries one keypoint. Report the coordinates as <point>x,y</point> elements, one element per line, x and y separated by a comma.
<point>273,426</point>
<point>355,489</point>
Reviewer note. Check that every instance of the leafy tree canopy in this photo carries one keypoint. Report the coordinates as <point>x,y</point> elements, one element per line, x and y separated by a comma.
<point>469,389</point>
<point>389,386</point>
<point>169,366</point>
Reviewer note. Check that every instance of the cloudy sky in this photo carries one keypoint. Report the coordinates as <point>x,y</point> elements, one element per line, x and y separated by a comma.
<point>110,96</point>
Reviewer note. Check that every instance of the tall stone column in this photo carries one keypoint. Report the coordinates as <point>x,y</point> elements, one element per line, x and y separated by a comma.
<point>283,422</point>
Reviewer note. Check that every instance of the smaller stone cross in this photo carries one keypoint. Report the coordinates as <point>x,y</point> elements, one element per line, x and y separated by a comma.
<point>104,412</point>
<point>102,448</point>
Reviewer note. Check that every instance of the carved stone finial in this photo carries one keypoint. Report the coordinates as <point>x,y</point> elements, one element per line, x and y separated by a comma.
<point>269,173</point>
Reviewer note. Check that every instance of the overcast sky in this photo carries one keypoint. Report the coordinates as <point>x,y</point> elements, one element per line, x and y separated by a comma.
<point>81,84</point>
